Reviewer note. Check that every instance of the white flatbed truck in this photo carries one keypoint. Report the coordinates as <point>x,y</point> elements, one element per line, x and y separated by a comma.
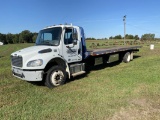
<point>59,53</point>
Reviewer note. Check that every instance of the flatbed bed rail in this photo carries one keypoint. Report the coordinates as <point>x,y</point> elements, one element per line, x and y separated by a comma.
<point>97,52</point>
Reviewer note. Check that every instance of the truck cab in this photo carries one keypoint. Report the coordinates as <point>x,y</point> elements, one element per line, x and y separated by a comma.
<point>57,54</point>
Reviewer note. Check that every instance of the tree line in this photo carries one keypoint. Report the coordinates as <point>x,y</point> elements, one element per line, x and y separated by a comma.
<point>28,37</point>
<point>147,36</point>
<point>127,36</point>
<point>24,37</point>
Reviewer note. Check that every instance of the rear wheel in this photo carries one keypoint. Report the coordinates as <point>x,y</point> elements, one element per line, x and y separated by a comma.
<point>131,55</point>
<point>56,76</point>
<point>127,57</point>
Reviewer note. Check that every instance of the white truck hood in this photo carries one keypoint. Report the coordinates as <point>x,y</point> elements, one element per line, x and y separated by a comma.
<point>31,50</point>
<point>37,52</point>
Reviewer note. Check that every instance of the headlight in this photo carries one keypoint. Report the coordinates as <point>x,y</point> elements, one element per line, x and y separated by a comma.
<point>35,63</point>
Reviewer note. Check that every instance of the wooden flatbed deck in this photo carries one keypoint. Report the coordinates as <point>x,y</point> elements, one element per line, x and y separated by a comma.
<point>97,52</point>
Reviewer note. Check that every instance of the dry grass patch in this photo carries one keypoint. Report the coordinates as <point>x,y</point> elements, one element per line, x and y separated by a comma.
<point>139,109</point>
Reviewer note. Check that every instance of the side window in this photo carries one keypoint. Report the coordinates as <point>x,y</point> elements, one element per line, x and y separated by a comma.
<point>68,37</point>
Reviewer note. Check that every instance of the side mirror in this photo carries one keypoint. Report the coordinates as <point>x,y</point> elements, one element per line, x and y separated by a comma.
<point>74,34</point>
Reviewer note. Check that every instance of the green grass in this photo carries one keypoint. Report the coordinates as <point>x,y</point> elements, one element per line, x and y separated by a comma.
<point>118,92</point>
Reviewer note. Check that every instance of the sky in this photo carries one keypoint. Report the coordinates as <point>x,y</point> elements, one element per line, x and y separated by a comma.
<point>99,18</point>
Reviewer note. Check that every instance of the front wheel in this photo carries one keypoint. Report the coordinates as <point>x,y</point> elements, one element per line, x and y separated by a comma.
<point>56,76</point>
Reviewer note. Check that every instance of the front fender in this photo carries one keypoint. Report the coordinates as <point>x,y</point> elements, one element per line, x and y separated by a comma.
<point>58,61</point>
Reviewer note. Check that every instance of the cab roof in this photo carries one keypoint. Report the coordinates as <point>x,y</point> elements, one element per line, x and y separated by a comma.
<point>60,25</point>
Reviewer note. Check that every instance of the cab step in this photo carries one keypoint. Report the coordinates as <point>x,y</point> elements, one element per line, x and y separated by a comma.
<point>78,73</point>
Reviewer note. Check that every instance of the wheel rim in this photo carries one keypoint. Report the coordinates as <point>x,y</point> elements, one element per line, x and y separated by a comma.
<point>57,77</point>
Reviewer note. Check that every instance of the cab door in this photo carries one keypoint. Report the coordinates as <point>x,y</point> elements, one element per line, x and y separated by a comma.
<point>71,47</point>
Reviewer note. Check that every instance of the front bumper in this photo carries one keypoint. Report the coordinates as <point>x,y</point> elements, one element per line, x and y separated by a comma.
<point>28,75</point>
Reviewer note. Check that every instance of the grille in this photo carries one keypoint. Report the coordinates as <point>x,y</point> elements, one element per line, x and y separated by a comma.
<point>17,61</point>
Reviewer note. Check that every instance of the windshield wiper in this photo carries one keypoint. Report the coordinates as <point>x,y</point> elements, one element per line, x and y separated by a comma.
<point>45,44</point>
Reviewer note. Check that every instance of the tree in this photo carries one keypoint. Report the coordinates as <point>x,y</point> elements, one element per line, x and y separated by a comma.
<point>118,37</point>
<point>136,37</point>
<point>111,37</point>
<point>25,36</point>
<point>148,36</point>
<point>90,38</point>
<point>16,38</point>
<point>3,38</point>
<point>129,36</point>
<point>34,37</point>
<point>9,38</point>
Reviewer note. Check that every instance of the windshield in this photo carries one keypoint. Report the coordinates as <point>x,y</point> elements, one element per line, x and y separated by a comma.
<point>50,36</point>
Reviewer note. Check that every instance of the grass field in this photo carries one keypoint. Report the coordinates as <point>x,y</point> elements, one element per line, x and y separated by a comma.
<point>115,92</point>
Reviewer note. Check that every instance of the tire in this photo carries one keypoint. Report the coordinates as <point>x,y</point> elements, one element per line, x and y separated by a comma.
<point>56,76</point>
<point>131,56</point>
<point>127,57</point>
